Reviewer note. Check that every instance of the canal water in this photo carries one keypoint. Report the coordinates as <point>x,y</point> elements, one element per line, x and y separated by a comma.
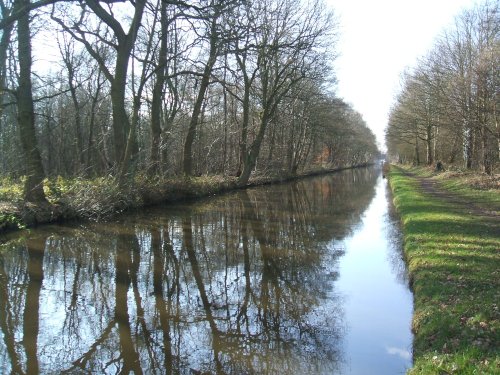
<point>303,277</point>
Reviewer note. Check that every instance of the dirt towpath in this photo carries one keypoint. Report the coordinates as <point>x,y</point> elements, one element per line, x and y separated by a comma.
<point>462,204</point>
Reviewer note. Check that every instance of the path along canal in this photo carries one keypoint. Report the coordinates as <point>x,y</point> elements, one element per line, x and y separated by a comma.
<point>304,277</point>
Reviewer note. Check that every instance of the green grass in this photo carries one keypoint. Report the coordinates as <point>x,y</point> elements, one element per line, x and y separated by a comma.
<point>454,264</point>
<point>474,186</point>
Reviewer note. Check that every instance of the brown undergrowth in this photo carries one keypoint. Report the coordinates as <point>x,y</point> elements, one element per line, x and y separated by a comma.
<point>102,198</point>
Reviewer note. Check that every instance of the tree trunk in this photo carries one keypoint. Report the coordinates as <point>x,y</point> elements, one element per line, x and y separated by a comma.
<point>121,124</point>
<point>417,156</point>
<point>90,141</point>
<point>469,148</point>
<point>131,147</point>
<point>78,118</point>
<point>428,141</point>
<point>244,126</point>
<point>487,154</point>
<point>33,187</point>
<point>125,44</point>
<point>4,46</point>
<point>69,63</point>
<point>193,124</point>
<point>156,102</point>
<point>251,157</point>
<point>225,124</point>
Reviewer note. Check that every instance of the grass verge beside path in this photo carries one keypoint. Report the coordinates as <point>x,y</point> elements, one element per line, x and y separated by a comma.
<point>452,247</point>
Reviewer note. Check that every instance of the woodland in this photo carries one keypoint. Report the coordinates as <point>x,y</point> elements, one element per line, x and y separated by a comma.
<point>447,108</point>
<point>164,89</point>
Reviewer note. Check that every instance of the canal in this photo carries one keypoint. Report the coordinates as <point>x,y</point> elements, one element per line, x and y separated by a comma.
<point>304,277</point>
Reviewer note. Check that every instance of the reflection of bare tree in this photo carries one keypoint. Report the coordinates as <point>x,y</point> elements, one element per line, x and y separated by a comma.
<point>7,324</point>
<point>28,269</point>
<point>163,308</point>
<point>188,244</point>
<point>72,316</point>
<point>270,274</point>
<point>140,312</point>
<point>82,361</point>
<point>235,284</point>
<point>36,250</point>
<point>242,316</point>
<point>128,354</point>
<point>288,291</point>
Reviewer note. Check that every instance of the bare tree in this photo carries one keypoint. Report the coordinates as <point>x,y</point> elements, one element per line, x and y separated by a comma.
<point>188,87</point>
<point>122,43</point>
<point>210,15</point>
<point>33,187</point>
<point>290,37</point>
<point>72,64</point>
<point>452,94</point>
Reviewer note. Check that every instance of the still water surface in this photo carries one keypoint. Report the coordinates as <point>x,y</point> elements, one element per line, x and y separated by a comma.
<point>298,278</point>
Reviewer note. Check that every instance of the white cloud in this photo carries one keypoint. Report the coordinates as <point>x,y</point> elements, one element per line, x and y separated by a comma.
<point>403,353</point>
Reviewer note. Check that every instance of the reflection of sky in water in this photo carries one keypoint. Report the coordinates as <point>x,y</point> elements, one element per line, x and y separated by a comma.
<point>243,283</point>
<point>378,306</point>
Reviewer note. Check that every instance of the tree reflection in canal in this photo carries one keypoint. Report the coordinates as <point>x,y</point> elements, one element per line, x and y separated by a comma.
<point>241,283</point>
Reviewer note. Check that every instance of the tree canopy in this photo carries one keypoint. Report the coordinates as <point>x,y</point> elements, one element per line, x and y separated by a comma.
<point>167,88</point>
<point>447,109</point>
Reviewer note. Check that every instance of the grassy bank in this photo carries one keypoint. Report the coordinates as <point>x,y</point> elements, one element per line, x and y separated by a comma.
<point>102,198</point>
<point>99,198</point>
<point>452,245</point>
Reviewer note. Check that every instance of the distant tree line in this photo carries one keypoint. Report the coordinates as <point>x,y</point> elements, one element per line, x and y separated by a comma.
<point>447,109</point>
<point>170,88</point>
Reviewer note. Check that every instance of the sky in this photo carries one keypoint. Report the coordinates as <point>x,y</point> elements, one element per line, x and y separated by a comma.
<point>378,40</point>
